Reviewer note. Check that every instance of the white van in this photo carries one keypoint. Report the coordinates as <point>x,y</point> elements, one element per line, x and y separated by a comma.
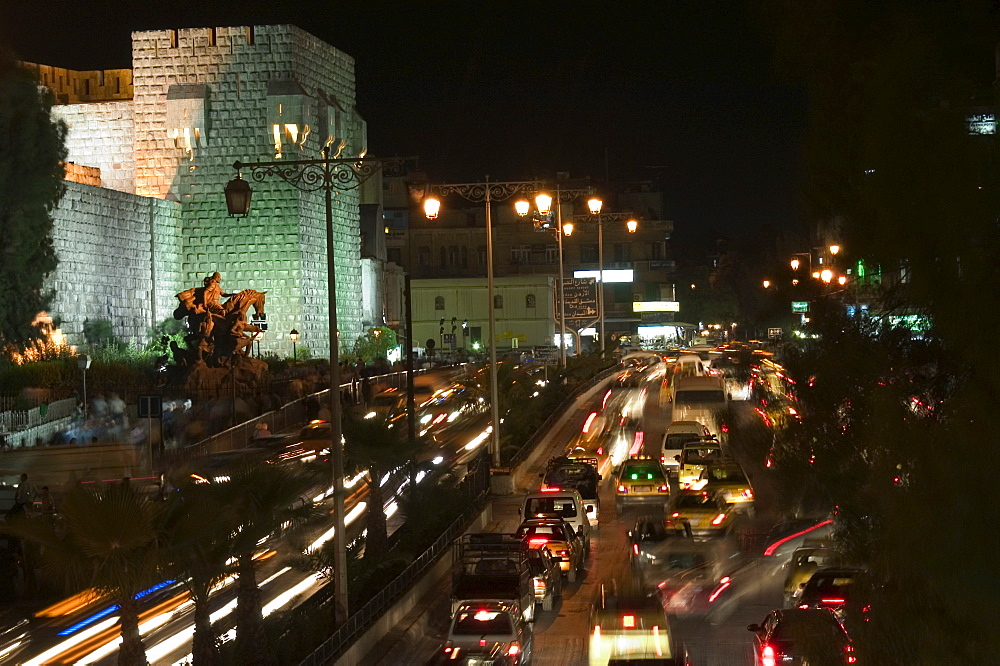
<point>565,503</point>
<point>677,435</point>
<point>700,399</point>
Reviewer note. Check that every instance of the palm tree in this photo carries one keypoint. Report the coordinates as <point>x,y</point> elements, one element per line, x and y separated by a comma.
<point>198,548</point>
<point>108,539</point>
<point>371,445</point>
<point>260,499</point>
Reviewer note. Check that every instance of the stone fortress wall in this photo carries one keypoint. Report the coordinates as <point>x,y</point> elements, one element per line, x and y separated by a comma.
<point>201,99</point>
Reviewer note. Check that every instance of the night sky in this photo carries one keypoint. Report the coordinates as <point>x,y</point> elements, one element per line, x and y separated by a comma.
<point>682,92</point>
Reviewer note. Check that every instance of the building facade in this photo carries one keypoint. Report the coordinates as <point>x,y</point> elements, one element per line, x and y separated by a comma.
<point>149,219</point>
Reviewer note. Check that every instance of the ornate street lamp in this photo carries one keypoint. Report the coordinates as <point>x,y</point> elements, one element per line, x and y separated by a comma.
<point>325,174</point>
<point>294,335</point>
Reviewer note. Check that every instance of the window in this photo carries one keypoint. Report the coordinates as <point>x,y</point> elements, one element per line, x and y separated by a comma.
<point>589,254</point>
<point>465,257</point>
<point>622,252</point>
<point>395,255</point>
<point>520,254</point>
<point>551,254</point>
<point>497,302</point>
<point>529,301</point>
<point>481,252</point>
<point>424,256</point>
<point>658,250</point>
<point>453,255</point>
<point>439,302</point>
<point>444,257</point>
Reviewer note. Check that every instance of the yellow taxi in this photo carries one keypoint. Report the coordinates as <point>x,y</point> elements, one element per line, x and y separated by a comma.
<point>559,538</point>
<point>814,554</point>
<point>641,480</point>
<point>728,482</point>
<point>697,512</point>
<point>695,456</point>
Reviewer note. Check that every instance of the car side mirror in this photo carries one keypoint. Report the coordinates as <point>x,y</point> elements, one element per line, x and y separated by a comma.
<point>677,458</point>
<point>753,627</point>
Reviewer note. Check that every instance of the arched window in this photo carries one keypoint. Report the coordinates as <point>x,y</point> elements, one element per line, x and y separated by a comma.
<point>529,301</point>
<point>439,302</point>
<point>497,302</point>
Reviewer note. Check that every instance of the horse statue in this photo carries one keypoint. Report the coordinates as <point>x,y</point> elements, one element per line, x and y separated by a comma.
<point>219,331</point>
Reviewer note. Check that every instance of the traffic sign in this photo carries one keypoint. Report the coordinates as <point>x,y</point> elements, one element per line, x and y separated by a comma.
<point>150,407</point>
<point>800,307</point>
<point>774,333</point>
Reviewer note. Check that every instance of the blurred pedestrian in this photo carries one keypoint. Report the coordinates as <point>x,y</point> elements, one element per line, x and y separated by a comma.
<point>99,407</point>
<point>116,409</point>
<point>24,496</point>
<point>46,505</point>
<point>261,432</point>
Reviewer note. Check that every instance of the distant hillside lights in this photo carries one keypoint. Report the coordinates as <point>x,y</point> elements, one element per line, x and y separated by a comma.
<point>52,345</point>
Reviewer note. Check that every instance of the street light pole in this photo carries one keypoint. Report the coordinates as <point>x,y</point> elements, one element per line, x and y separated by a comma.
<point>562,299</point>
<point>325,174</point>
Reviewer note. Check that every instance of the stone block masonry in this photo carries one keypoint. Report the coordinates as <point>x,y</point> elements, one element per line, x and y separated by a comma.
<point>281,247</point>
<point>104,241</point>
<point>164,136</point>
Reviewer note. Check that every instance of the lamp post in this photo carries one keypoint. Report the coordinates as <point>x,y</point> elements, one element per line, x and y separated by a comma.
<point>294,335</point>
<point>484,192</point>
<point>595,205</point>
<point>543,204</point>
<point>326,174</point>
<point>83,362</point>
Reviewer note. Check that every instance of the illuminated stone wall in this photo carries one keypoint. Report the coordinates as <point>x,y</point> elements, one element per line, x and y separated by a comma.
<point>231,86</point>
<point>109,268</point>
<point>100,134</point>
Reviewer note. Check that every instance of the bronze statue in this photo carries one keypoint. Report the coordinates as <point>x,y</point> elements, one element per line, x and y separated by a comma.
<point>219,332</point>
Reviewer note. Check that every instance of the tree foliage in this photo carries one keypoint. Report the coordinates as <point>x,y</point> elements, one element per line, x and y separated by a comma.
<point>31,154</point>
<point>885,419</point>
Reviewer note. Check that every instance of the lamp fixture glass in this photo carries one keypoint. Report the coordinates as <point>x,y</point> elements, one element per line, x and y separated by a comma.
<point>795,263</point>
<point>294,335</point>
<point>568,228</point>
<point>594,205</point>
<point>522,207</point>
<point>432,207</point>
<point>543,202</point>
<point>632,225</point>
<point>834,249</point>
<point>826,275</point>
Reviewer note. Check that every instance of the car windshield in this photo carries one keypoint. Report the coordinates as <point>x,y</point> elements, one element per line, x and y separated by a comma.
<point>701,456</point>
<point>699,397</point>
<point>469,622</point>
<point>829,586</point>
<point>726,475</point>
<point>698,501</point>
<point>385,400</point>
<point>804,628</point>
<point>562,506</point>
<point>641,473</point>
<point>679,439</point>
<point>551,532</point>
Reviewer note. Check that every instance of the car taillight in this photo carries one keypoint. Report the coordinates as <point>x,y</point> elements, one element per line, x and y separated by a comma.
<point>833,602</point>
<point>675,515</point>
<point>597,631</point>
<point>747,493</point>
<point>767,656</point>
<point>635,548</point>
<point>537,542</point>
<point>628,621</point>
<point>447,649</point>
<point>622,489</point>
<point>513,650</point>
<point>849,654</point>
<point>718,519</point>
<point>663,489</point>
<point>724,428</point>
<point>563,553</point>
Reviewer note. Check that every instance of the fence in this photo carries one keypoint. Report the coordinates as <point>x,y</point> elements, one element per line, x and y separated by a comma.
<point>22,426</point>
<point>477,482</point>
<point>288,416</point>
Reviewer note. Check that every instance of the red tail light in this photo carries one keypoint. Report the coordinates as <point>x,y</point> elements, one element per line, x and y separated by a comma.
<point>440,417</point>
<point>718,519</point>
<point>663,489</point>
<point>833,602</point>
<point>767,656</point>
<point>675,515</point>
<point>724,428</point>
<point>590,419</point>
<point>513,650</point>
<point>635,548</point>
<point>628,621</point>
<point>538,541</point>
<point>747,493</point>
<point>849,654</point>
<point>622,489</point>
<point>550,489</point>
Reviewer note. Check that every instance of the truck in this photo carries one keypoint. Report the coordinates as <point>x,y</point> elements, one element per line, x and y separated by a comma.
<point>579,473</point>
<point>493,567</point>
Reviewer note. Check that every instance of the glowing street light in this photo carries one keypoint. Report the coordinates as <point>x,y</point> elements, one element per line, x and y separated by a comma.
<point>543,202</point>
<point>826,275</point>
<point>568,228</point>
<point>767,284</point>
<point>432,207</point>
<point>834,249</point>
<point>842,280</point>
<point>795,263</point>
<point>632,225</point>
<point>294,335</point>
